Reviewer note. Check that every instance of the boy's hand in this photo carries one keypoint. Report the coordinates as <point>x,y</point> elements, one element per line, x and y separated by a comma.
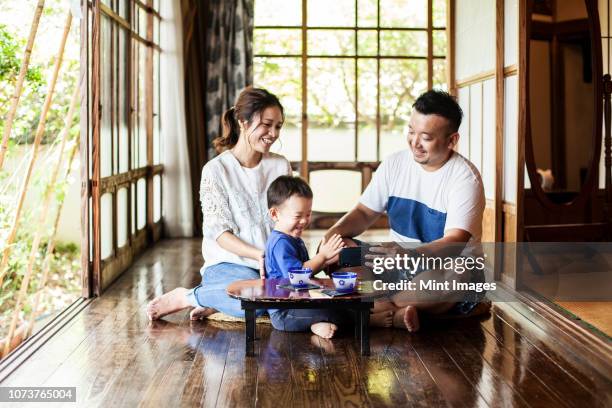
<point>331,247</point>
<point>262,265</point>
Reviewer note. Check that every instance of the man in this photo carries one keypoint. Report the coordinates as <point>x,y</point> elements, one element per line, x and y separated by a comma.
<point>431,194</point>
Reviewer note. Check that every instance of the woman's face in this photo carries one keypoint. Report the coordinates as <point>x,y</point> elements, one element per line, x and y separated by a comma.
<point>264,129</point>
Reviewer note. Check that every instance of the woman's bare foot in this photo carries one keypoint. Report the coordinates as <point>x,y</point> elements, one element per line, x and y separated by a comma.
<point>381,319</point>
<point>200,313</point>
<point>324,344</point>
<point>407,318</point>
<point>168,331</point>
<point>168,303</point>
<point>324,329</point>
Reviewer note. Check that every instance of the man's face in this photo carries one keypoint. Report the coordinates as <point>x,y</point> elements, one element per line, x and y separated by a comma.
<point>430,139</point>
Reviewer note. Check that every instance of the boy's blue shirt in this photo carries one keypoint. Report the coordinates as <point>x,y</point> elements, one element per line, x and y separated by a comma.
<point>283,252</point>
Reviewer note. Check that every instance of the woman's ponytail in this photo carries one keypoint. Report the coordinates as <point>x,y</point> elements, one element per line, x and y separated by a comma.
<point>231,131</point>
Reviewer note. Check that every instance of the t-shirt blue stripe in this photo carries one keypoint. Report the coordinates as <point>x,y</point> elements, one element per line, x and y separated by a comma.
<point>415,220</point>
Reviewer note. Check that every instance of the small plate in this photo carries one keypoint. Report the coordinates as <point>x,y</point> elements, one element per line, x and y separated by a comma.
<point>307,286</point>
<point>334,293</point>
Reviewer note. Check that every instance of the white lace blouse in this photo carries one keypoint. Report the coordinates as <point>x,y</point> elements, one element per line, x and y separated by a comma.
<point>234,199</point>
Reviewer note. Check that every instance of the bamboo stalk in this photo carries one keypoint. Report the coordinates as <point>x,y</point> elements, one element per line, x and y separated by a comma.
<point>8,124</point>
<point>39,133</point>
<point>25,283</point>
<point>50,246</point>
<point>18,338</point>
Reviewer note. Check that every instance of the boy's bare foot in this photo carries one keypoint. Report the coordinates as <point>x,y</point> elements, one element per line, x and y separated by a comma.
<point>168,303</point>
<point>325,344</point>
<point>324,329</point>
<point>381,319</point>
<point>200,313</point>
<point>407,318</point>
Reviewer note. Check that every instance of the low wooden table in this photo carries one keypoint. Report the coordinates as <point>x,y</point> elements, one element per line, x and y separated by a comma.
<point>264,294</point>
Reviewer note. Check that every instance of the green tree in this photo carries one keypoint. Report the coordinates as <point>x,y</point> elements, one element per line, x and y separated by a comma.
<point>34,91</point>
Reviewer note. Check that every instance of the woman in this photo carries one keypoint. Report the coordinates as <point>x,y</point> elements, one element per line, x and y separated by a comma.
<point>233,196</point>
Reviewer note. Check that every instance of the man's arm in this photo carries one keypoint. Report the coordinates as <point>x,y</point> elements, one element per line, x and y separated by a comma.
<point>451,244</point>
<point>353,223</point>
<point>448,245</point>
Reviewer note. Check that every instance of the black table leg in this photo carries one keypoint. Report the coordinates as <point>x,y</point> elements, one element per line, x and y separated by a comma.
<point>249,315</point>
<point>364,335</point>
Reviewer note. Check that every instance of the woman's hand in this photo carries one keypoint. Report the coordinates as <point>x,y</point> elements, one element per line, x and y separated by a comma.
<point>331,247</point>
<point>235,245</point>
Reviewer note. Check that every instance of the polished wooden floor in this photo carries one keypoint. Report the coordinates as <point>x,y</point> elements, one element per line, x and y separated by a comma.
<point>116,358</point>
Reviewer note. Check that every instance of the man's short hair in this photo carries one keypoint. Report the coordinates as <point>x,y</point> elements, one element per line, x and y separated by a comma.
<point>437,102</point>
<point>284,187</point>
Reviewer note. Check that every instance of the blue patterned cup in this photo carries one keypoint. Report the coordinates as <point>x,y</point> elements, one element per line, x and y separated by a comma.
<point>345,281</point>
<point>300,277</point>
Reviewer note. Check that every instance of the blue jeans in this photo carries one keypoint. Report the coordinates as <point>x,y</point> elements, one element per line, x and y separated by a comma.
<point>215,279</point>
<point>297,320</point>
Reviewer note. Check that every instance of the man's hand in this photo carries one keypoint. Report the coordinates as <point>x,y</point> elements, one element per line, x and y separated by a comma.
<point>386,250</point>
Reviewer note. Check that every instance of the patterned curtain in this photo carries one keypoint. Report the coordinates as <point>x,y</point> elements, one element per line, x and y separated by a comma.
<point>229,60</point>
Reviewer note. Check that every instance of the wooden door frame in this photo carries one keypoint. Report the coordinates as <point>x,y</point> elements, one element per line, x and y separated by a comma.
<point>98,273</point>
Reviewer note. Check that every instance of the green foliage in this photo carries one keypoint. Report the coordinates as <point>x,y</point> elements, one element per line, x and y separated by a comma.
<point>11,50</point>
<point>34,91</point>
<point>63,284</point>
<point>340,86</point>
<point>64,270</point>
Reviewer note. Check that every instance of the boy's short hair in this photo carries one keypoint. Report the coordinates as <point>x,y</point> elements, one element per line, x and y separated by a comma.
<point>284,187</point>
<point>437,102</point>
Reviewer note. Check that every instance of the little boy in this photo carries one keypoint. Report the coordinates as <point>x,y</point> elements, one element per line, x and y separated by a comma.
<point>290,206</point>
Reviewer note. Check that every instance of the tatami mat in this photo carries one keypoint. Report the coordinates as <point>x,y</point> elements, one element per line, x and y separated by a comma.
<point>598,314</point>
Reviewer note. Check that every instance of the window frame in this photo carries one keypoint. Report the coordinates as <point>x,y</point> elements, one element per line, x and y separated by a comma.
<point>99,272</point>
<point>366,168</point>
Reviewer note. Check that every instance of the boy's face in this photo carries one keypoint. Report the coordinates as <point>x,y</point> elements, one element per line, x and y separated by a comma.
<point>293,216</point>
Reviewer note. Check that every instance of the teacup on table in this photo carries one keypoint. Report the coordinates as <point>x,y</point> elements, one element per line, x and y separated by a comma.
<point>300,277</point>
<point>345,281</point>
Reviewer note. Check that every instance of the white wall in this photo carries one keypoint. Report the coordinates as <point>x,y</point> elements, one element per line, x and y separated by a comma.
<point>510,139</point>
<point>475,54</point>
<point>463,97</point>
<point>476,125</point>
<point>510,146</point>
<point>510,32</point>
<point>488,138</point>
<point>474,37</point>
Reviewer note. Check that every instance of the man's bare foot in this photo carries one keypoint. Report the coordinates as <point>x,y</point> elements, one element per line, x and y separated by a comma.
<point>407,318</point>
<point>381,319</point>
<point>322,343</point>
<point>200,313</point>
<point>168,303</point>
<point>383,306</point>
<point>324,329</point>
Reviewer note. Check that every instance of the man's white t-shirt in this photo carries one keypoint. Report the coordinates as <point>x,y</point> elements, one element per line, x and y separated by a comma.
<point>422,205</point>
